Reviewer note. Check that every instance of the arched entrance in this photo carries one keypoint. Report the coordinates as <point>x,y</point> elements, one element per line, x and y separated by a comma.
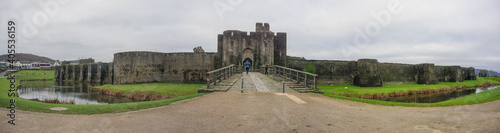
<point>251,63</point>
<point>248,56</point>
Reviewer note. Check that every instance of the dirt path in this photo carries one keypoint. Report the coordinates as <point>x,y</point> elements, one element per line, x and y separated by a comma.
<point>269,112</point>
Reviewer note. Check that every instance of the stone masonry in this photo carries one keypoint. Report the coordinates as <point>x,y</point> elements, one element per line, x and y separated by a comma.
<point>259,48</point>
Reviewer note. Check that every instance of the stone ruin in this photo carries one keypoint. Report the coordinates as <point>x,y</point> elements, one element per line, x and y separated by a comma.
<point>198,50</point>
<point>260,47</point>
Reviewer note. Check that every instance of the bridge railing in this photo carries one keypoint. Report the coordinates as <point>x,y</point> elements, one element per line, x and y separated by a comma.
<point>307,79</point>
<point>218,75</point>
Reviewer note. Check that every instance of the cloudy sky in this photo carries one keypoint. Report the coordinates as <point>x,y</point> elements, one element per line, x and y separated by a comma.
<point>445,32</point>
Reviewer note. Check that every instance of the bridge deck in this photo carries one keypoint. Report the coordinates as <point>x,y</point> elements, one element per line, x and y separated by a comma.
<point>257,82</point>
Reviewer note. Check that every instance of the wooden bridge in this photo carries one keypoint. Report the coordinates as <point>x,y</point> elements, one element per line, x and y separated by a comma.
<point>232,78</point>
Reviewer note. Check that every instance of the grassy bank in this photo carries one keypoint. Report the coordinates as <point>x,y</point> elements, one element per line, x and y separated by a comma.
<point>351,89</point>
<point>160,88</point>
<point>149,91</point>
<point>183,91</point>
<point>486,96</point>
<point>34,74</point>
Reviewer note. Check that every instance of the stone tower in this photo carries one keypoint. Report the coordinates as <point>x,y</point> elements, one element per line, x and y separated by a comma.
<point>259,47</point>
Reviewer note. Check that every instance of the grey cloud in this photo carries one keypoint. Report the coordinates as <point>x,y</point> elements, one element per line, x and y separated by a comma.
<point>450,32</point>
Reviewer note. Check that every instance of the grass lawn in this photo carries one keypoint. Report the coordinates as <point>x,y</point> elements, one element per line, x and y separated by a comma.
<point>486,96</point>
<point>187,91</point>
<point>160,88</point>
<point>351,89</point>
<point>34,74</point>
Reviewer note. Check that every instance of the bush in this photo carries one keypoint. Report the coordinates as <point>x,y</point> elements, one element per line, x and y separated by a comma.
<point>309,68</point>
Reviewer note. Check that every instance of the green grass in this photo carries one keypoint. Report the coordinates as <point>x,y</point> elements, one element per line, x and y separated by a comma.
<point>340,89</point>
<point>34,74</point>
<point>183,91</point>
<point>486,96</point>
<point>160,88</point>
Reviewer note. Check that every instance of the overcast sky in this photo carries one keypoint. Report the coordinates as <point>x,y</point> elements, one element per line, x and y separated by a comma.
<point>453,32</point>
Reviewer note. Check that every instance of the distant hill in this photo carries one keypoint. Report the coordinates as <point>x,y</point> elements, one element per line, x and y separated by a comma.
<point>27,58</point>
<point>494,72</point>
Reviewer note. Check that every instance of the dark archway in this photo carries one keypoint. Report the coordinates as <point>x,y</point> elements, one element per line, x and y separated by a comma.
<point>249,60</point>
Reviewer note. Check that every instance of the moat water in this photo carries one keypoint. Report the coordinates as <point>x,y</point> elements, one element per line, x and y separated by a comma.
<point>439,96</point>
<point>79,93</point>
<point>65,91</point>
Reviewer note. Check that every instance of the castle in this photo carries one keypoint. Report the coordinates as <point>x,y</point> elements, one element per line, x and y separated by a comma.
<point>260,48</point>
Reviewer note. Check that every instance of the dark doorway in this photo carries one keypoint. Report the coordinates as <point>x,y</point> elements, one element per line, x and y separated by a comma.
<point>249,60</point>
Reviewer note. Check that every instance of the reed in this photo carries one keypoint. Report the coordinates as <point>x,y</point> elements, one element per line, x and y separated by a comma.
<point>383,95</point>
<point>57,101</point>
<point>375,96</point>
<point>367,96</point>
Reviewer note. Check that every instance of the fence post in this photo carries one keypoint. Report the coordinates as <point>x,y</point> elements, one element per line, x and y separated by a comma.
<point>305,81</point>
<point>297,77</point>
<point>216,78</point>
<point>283,86</point>
<point>208,80</point>
<point>314,83</point>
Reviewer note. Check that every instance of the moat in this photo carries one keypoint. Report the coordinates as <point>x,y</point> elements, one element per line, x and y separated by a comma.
<point>65,91</point>
<point>79,93</point>
<point>439,96</point>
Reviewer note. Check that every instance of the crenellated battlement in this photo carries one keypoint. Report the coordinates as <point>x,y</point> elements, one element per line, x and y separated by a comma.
<point>260,47</point>
<point>259,27</point>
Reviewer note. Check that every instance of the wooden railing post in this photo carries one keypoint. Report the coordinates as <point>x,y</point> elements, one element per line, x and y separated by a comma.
<point>314,83</point>
<point>305,81</point>
<point>208,80</point>
<point>297,76</point>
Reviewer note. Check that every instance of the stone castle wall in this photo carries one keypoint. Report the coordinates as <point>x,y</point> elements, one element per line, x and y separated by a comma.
<point>146,67</point>
<point>329,71</point>
<point>369,72</point>
<point>94,73</point>
<point>260,47</point>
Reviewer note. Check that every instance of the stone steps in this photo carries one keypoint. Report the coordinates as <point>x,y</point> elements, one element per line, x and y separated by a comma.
<point>223,86</point>
<point>293,85</point>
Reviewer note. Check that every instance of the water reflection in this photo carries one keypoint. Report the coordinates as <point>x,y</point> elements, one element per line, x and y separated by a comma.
<point>437,97</point>
<point>64,91</point>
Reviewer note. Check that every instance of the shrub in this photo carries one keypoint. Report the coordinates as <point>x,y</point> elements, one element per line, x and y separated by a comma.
<point>309,68</point>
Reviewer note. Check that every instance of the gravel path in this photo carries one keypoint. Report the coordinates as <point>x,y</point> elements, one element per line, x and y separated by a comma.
<point>268,112</point>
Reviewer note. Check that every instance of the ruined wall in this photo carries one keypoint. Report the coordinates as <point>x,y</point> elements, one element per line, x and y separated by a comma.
<point>394,73</point>
<point>145,67</point>
<point>329,72</point>
<point>105,74</point>
<point>469,73</point>
<point>449,73</point>
<point>68,73</point>
<point>92,73</point>
<point>369,72</point>
<point>57,73</point>
<point>76,72</point>
<point>84,68</point>
<point>426,74</point>
<point>84,73</point>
